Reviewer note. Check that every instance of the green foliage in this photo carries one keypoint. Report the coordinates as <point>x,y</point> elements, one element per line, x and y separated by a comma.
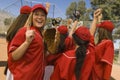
<point>111,8</point>
<point>71,9</point>
<point>7,21</point>
<point>111,11</point>
<point>117,31</point>
<point>48,20</point>
<point>79,6</point>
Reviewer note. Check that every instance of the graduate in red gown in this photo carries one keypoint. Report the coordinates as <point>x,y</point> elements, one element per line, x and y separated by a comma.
<point>15,26</point>
<point>104,50</point>
<point>76,64</point>
<point>26,51</point>
<point>63,43</point>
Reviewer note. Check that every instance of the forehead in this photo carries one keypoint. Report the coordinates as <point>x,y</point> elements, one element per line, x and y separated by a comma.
<point>39,10</point>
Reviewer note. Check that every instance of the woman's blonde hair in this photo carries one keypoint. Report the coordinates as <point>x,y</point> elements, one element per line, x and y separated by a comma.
<point>51,41</point>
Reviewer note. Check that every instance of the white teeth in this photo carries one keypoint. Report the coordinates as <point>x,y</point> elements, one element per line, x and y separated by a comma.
<point>39,21</point>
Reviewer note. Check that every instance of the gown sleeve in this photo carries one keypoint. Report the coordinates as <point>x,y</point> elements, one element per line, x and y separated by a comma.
<point>56,73</point>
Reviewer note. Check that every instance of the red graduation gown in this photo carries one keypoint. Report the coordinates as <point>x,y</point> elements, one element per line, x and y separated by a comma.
<point>69,45</point>
<point>64,66</point>
<point>104,54</point>
<point>31,65</point>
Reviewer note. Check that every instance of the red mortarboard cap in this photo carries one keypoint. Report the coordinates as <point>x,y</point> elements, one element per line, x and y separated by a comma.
<point>39,6</point>
<point>62,29</point>
<point>25,9</point>
<point>107,25</point>
<point>83,33</point>
<point>69,44</point>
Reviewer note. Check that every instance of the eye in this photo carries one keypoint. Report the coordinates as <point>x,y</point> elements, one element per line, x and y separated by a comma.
<point>36,14</point>
<point>42,15</point>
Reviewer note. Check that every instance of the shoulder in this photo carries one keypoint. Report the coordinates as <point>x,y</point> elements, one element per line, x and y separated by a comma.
<point>23,29</point>
<point>69,54</point>
<point>21,33</point>
<point>107,42</point>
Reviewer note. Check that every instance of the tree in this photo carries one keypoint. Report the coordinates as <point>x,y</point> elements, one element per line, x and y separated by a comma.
<point>116,34</point>
<point>70,10</point>
<point>7,21</point>
<point>111,11</point>
<point>79,6</point>
<point>111,8</point>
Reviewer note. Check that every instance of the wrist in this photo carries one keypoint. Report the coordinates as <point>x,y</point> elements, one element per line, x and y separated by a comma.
<point>95,20</point>
<point>27,43</point>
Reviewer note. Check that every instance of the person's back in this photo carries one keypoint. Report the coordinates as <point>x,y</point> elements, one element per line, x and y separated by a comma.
<point>104,51</point>
<point>18,23</point>
<point>67,67</point>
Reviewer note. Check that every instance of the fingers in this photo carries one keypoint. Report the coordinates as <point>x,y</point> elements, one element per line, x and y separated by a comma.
<point>98,12</point>
<point>29,21</point>
<point>30,35</point>
<point>28,27</point>
<point>47,4</point>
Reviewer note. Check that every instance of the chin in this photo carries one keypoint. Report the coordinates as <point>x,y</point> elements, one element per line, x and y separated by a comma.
<point>39,26</point>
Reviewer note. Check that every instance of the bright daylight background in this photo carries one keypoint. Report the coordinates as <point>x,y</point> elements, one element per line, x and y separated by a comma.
<point>13,6</point>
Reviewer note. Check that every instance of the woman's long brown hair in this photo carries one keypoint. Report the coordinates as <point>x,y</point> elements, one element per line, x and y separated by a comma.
<point>104,34</point>
<point>16,25</point>
<point>80,54</point>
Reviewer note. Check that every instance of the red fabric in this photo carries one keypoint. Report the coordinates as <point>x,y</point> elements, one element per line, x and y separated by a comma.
<point>31,65</point>
<point>62,29</point>
<point>69,44</point>
<point>61,68</point>
<point>39,6</point>
<point>104,60</point>
<point>50,59</point>
<point>64,66</point>
<point>107,25</point>
<point>25,9</point>
<point>83,33</point>
<point>107,72</point>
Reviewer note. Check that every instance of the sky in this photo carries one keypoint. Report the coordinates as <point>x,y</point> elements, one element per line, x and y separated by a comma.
<point>13,6</point>
<point>117,44</point>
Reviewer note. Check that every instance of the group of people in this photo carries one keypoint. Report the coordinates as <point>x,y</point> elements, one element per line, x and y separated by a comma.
<point>73,52</point>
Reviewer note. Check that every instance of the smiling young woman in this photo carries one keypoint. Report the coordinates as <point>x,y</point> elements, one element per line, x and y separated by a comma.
<point>26,52</point>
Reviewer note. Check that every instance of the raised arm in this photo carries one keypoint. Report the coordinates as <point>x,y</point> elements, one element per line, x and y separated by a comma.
<point>73,28</point>
<point>47,5</point>
<point>20,51</point>
<point>96,18</point>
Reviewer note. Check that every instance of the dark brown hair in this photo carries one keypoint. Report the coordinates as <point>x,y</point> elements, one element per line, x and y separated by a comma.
<point>104,34</point>
<point>16,25</point>
<point>61,46</point>
<point>80,54</point>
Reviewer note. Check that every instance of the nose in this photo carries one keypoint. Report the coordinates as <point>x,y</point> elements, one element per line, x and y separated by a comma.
<point>39,16</point>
